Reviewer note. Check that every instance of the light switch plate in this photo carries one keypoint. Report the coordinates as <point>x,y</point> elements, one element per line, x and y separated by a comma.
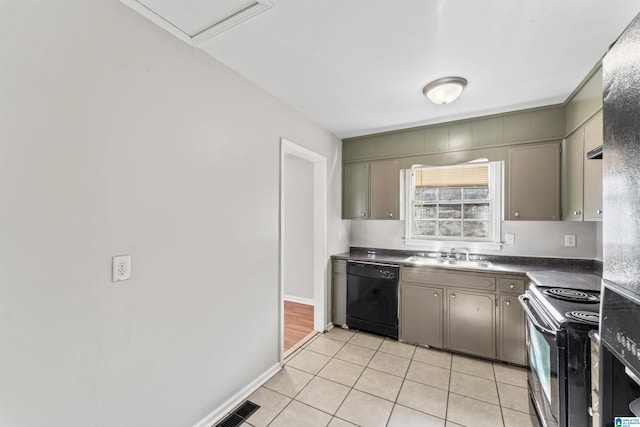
<point>570,240</point>
<point>510,239</point>
<point>121,266</point>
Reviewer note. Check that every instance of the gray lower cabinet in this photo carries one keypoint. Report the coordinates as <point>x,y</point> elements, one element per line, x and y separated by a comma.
<point>339,293</point>
<point>470,322</point>
<point>473,313</point>
<point>512,331</point>
<point>421,314</point>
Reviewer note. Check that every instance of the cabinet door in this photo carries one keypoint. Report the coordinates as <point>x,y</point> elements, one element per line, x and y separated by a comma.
<point>534,182</point>
<point>572,176</point>
<point>512,346</point>
<point>421,314</point>
<point>339,293</point>
<point>593,170</point>
<point>355,194</point>
<point>384,189</point>
<point>470,323</point>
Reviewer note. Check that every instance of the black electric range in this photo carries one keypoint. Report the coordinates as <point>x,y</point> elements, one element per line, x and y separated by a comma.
<point>559,377</point>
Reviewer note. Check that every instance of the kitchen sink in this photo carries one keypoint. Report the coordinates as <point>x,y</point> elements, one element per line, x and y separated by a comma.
<point>423,260</point>
<point>470,263</point>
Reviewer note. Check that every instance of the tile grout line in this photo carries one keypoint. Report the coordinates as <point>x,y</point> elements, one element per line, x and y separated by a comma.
<point>493,368</point>
<point>446,410</point>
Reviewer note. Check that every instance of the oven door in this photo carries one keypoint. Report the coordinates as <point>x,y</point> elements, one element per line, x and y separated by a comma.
<point>544,360</point>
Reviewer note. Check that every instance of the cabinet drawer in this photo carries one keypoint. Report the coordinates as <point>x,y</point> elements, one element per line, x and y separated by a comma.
<point>340,266</point>
<point>511,285</point>
<point>439,277</point>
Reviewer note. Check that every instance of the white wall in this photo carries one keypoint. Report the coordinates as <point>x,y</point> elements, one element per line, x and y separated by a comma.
<point>298,233</point>
<point>532,238</point>
<point>116,138</point>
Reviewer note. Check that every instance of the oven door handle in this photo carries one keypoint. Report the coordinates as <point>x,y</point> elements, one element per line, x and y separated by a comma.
<point>523,301</point>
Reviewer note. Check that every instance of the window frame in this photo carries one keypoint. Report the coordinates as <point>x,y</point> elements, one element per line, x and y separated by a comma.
<point>496,210</point>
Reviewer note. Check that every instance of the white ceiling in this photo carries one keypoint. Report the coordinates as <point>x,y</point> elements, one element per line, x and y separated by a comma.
<point>358,67</point>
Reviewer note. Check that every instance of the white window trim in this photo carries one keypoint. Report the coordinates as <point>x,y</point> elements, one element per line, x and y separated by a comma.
<point>494,244</point>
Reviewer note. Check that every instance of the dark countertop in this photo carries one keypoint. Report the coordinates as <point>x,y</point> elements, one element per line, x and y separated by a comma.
<point>554,272</point>
<point>563,279</point>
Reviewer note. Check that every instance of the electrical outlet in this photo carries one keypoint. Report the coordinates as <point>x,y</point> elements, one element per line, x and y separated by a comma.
<point>510,239</point>
<point>121,266</point>
<point>570,240</point>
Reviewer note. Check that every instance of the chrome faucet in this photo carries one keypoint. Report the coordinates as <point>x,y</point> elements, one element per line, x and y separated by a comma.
<point>463,250</point>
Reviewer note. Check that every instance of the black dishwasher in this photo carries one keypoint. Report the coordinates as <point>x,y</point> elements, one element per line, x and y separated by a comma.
<point>372,298</point>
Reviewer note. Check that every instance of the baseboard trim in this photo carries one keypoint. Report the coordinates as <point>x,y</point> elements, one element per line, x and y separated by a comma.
<point>222,410</point>
<point>299,300</point>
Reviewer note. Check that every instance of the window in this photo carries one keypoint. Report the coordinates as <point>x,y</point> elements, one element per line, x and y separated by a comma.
<point>461,203</point>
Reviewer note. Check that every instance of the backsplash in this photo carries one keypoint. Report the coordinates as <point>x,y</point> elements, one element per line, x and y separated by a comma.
<point>532,238</point>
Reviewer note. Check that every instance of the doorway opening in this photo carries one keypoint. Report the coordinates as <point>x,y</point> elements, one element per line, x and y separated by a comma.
<point>303,289</point>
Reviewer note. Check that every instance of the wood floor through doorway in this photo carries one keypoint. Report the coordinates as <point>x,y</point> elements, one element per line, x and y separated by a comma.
<point>298,323</point>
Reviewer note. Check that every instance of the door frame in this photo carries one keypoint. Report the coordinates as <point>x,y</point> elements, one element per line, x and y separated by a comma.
<point>319,161</point>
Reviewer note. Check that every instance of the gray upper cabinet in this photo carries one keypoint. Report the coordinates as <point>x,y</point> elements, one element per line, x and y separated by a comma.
<point>385,189</point>
<point>371,190</point>
<point>585,102</point>
<point>374,193</point>
<point>593,170</point>
<point>519,127</point>
<point>470,322</point>
<point>534,182</point>
<point>355,193</point>
<point>582,178</point>
<point>572,176</point>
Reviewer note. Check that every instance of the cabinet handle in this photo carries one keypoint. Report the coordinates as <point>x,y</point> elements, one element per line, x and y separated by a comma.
<point>435,295</point>
<point>599,212</point>
<point>511,286</point>
<point>576,213</point>
<point>517,214</point>
<point>390,215</point>
<point>508,303</point>
<point>362,214</point>
<point>453,295</point>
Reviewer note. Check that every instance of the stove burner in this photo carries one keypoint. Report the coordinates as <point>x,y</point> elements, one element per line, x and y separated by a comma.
<point>584,316</point>
<point>571,295</point>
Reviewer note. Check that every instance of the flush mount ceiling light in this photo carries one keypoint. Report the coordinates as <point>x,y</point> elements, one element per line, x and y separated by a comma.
<point>444,90</point>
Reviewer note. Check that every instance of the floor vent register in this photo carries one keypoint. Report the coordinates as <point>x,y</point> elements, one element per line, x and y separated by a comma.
<point>238,416</point>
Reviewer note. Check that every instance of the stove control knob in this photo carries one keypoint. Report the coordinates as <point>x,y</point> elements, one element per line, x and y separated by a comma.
<point>633,349</point>
<point>628,344</point>
<point>618,337</point>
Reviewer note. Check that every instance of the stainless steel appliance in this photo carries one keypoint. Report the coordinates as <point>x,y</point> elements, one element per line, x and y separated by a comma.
<point>620,324</point>
<point>558,324</point>
<point>372,298</point>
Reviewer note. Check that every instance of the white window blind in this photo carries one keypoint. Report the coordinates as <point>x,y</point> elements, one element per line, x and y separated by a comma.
<point>462,176</point>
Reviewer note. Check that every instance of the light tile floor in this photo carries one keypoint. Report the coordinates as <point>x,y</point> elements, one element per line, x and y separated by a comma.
<point>346,378</point>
